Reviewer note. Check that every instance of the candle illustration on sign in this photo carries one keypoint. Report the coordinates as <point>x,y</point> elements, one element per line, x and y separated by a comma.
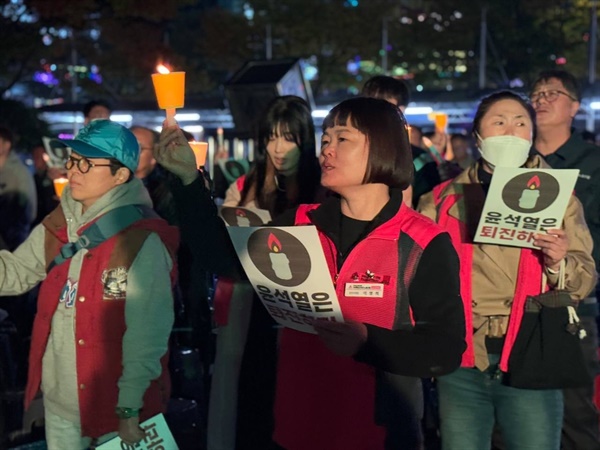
<point>279,260</point>
<point>242,219</point>
<point>530,194</point>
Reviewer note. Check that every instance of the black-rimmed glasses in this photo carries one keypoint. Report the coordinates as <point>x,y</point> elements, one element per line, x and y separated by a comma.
<point>549,96</point>
<point>83,164</point>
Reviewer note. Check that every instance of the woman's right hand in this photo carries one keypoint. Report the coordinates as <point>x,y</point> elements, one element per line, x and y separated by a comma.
<point>175,154</point>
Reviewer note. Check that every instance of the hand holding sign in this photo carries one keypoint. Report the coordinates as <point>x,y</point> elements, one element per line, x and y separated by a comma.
<point>554,246</point>
<point>130,431</point>
<point>343,339</point>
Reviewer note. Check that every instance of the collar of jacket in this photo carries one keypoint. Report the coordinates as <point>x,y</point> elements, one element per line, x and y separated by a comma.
<point>327,217</point>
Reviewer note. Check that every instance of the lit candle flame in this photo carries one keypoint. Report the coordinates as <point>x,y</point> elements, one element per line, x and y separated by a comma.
<point>161,68</point>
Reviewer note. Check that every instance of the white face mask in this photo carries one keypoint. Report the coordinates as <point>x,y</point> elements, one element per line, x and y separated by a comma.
<point>504,151</point>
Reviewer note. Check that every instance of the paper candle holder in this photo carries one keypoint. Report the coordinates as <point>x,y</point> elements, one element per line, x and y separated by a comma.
<point>169,89</point>
<point>200,149</point>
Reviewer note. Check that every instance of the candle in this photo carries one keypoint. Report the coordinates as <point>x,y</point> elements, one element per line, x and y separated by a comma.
<point>242,220</point>
<point>441,121</point>
<point>59,185</point>
<point>279,260</point>
<point>219,139</point>
<point>530,194</point>
<point>169,88</point>
<point>200,149</point>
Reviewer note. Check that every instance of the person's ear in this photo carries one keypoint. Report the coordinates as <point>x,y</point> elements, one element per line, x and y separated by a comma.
<point>122,175</point>
<point>574,108</point>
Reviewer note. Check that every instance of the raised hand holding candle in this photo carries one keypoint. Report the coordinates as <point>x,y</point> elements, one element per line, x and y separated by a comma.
<point>200,149</point>
<point>170,91</point>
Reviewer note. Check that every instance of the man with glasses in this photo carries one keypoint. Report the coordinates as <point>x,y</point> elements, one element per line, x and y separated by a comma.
<point>105,307</point>
<point>556,99</point>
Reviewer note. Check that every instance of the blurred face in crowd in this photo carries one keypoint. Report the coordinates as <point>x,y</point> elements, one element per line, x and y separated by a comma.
<point>283,151</point>
<point>97,112</point>
<point>506,117</point>
<point>344,157</point>
<point>416,136</point>
<point>39,156</point>
<point>460,147</point>
<point>87,187</point>
<point>147,162</point>
<point>553,104</point>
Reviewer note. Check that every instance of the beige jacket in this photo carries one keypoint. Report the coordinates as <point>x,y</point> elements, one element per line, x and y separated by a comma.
<point>494,269</point>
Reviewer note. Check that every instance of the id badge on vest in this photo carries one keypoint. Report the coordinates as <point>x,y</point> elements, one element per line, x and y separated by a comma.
<point>372,290</point>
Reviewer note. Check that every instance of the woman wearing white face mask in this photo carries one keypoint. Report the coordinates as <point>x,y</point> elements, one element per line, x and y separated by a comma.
<point>493,279</point>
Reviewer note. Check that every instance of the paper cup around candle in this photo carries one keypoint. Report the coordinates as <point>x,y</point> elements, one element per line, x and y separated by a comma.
<point>441,121</point>
<point>59,185</point>
<point>169,89</point>
<point>200,149</point>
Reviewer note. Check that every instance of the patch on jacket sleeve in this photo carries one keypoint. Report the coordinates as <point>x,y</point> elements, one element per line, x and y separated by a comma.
<point>115,283</point>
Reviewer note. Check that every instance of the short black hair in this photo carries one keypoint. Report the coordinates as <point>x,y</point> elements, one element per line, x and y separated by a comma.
<point>384,87</point>
<point>487,102</point>
<point>390,154</point>
<point>7,135</point>
<point>567,79</point>
<point>92,104</point>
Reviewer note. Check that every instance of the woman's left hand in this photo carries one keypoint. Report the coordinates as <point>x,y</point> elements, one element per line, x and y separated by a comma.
<point>343,339</point>
<point>554,245</point>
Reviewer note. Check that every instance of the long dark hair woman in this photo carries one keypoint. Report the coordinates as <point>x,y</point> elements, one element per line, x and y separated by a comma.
<point>286,171</point>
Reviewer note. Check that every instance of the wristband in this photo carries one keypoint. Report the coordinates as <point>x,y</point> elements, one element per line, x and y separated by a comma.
<point>126,413</point>
<point>552,271</point>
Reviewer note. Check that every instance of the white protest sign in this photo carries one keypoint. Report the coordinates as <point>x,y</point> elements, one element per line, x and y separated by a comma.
<point>57,152</point>
<point>288,271</point>
<point>237,216</point>
<point>158,436</point>
<point>523,202</point>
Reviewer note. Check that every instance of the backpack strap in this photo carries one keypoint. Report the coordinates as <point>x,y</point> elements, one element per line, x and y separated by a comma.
<point>102,229</point>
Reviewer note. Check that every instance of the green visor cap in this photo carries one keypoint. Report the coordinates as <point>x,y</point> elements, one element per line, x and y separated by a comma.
<point>102,138</point>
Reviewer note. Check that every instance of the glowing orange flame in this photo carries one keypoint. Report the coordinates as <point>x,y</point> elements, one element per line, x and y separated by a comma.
<point>534,182</point>
<point>274,243</point>
<point>161,68</point>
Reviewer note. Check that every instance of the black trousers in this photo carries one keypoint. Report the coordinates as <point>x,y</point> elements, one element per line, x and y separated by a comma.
<point>256,391</point>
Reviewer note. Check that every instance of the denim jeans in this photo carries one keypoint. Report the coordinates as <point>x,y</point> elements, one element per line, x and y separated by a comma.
<point>471,402</point>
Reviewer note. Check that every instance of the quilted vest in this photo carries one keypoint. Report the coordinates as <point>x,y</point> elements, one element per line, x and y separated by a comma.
<point>339,400</point>
<point>100,324</point>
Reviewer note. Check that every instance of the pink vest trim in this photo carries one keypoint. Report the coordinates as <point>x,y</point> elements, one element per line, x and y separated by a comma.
<point>328,402</point>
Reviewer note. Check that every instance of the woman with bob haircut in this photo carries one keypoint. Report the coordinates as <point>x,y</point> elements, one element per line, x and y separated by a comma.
<point>356,384</point>
<point>495,283</point>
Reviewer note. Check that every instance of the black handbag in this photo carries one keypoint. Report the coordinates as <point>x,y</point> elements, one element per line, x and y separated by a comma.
<point>547,352</point>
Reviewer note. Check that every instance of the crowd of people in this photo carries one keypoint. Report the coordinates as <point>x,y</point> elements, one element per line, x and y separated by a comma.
<point>136,238</point>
